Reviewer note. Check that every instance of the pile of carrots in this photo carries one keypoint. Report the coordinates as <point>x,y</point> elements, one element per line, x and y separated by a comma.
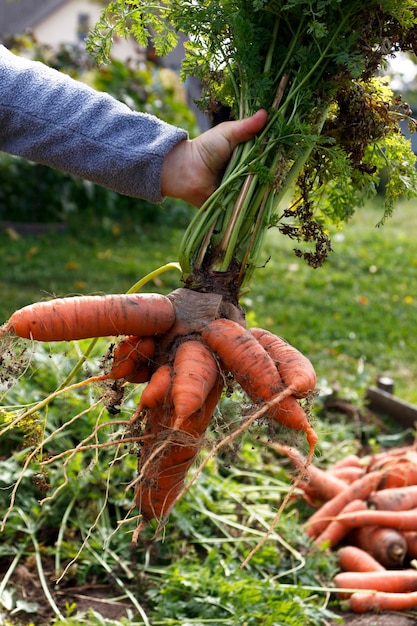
<point>366,509</point>
<point>187,346</point>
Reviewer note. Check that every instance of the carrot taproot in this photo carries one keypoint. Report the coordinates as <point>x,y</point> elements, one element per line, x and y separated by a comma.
<point>406,520</point>
<point>157,391</point>
<point>83,317</point>
<point>382,601</point>
<point>335,530</point>
<point>296,370</point>
<point>244,357</point>
<point>358,490</point>
<point>387,545</point>
<point>195,372</point>
<point>129,355</point>
<point>394,499</point>
<point>319,484</point>
<point>167,455</point>
<point>354,559</point>
<point>410,537</point>
<point>398,581</point>
<point>255,371</point>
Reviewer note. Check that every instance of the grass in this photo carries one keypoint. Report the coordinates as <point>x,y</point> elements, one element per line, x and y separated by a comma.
<point>355,318</point>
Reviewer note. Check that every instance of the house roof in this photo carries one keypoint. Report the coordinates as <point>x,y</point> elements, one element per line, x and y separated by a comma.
<point>17,16</point>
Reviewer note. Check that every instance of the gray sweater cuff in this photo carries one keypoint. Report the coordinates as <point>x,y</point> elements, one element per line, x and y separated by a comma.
<point>49,118</point>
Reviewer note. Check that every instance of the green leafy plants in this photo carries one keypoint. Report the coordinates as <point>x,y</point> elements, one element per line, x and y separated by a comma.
<point>333,123</point>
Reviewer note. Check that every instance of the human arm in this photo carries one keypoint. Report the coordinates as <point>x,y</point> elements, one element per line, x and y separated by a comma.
<point>49,118</point>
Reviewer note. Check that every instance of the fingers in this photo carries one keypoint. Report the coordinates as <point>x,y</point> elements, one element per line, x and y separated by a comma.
<point>243,130</point>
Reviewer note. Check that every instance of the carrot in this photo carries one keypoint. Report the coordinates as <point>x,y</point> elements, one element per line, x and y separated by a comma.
<point>406,520</point>
<point>195,372</point>
<point>395,499</point>
<point>350,460</point>
<point>295,369</point>
<point>255,371</point>
<point>382,601</point>
<point>391,453</point>
<point>411,541</point>
<point>129,356</point>
<point>399,472</point>
<point>244,357</point>
<point>386,545</point>
<point>358,490</point>
<point>353,559</point>
<point>398,581</point>
<point>320,485</point>
<point>347,474</point>
<point>335,531</point>
<point>167,455</point>
<point>83,317</point>
<point>157,391</point>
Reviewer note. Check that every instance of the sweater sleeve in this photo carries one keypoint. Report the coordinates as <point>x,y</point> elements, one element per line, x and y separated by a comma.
<point>49,118</point>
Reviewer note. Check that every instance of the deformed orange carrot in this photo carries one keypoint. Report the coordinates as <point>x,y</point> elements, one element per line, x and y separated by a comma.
<point>255,371</point>
<point>83,317</point>
<point>244,357</point>
<point>195,372</point>
<point>129,356</point>
<point>167,455</point>
<point>295,369</point>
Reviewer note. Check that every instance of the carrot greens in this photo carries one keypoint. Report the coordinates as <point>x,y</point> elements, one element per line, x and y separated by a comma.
<point>333,120</point>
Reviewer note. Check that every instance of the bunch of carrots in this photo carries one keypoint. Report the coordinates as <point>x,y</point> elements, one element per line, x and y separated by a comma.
<point>366,509</point>
<point>187,347</point>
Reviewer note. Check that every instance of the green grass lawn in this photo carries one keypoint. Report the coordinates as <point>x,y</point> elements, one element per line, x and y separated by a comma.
<point>355,317</point>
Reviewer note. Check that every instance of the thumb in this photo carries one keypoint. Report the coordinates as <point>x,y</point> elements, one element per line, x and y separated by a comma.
<point>242,130</point>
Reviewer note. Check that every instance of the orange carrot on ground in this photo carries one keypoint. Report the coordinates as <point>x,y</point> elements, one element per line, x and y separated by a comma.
<point>382,601</point>
<point>399,472</point>
<point>406,520</point>
<point>353,559</point>
<point>83,317</point>
<point>410,537</point>
<point>358,490</point>
<point>347,474</point>
<point>335,531</point>
<point>395,499</point>
<point>398,581</point>
<point>255,371</point>
<point>295,369</point>
<point>350,460</point>
<point>386,545</point>
<point>320,485</point>
<point>195,372</point>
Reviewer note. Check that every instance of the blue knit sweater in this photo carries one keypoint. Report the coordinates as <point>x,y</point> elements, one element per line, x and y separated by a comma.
<point>49,118</point>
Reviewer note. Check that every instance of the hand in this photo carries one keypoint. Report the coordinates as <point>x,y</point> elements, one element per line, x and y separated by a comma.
<point>193,168</point>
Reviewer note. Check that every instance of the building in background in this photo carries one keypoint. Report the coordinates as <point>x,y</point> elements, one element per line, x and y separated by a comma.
<point>57,22</point>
